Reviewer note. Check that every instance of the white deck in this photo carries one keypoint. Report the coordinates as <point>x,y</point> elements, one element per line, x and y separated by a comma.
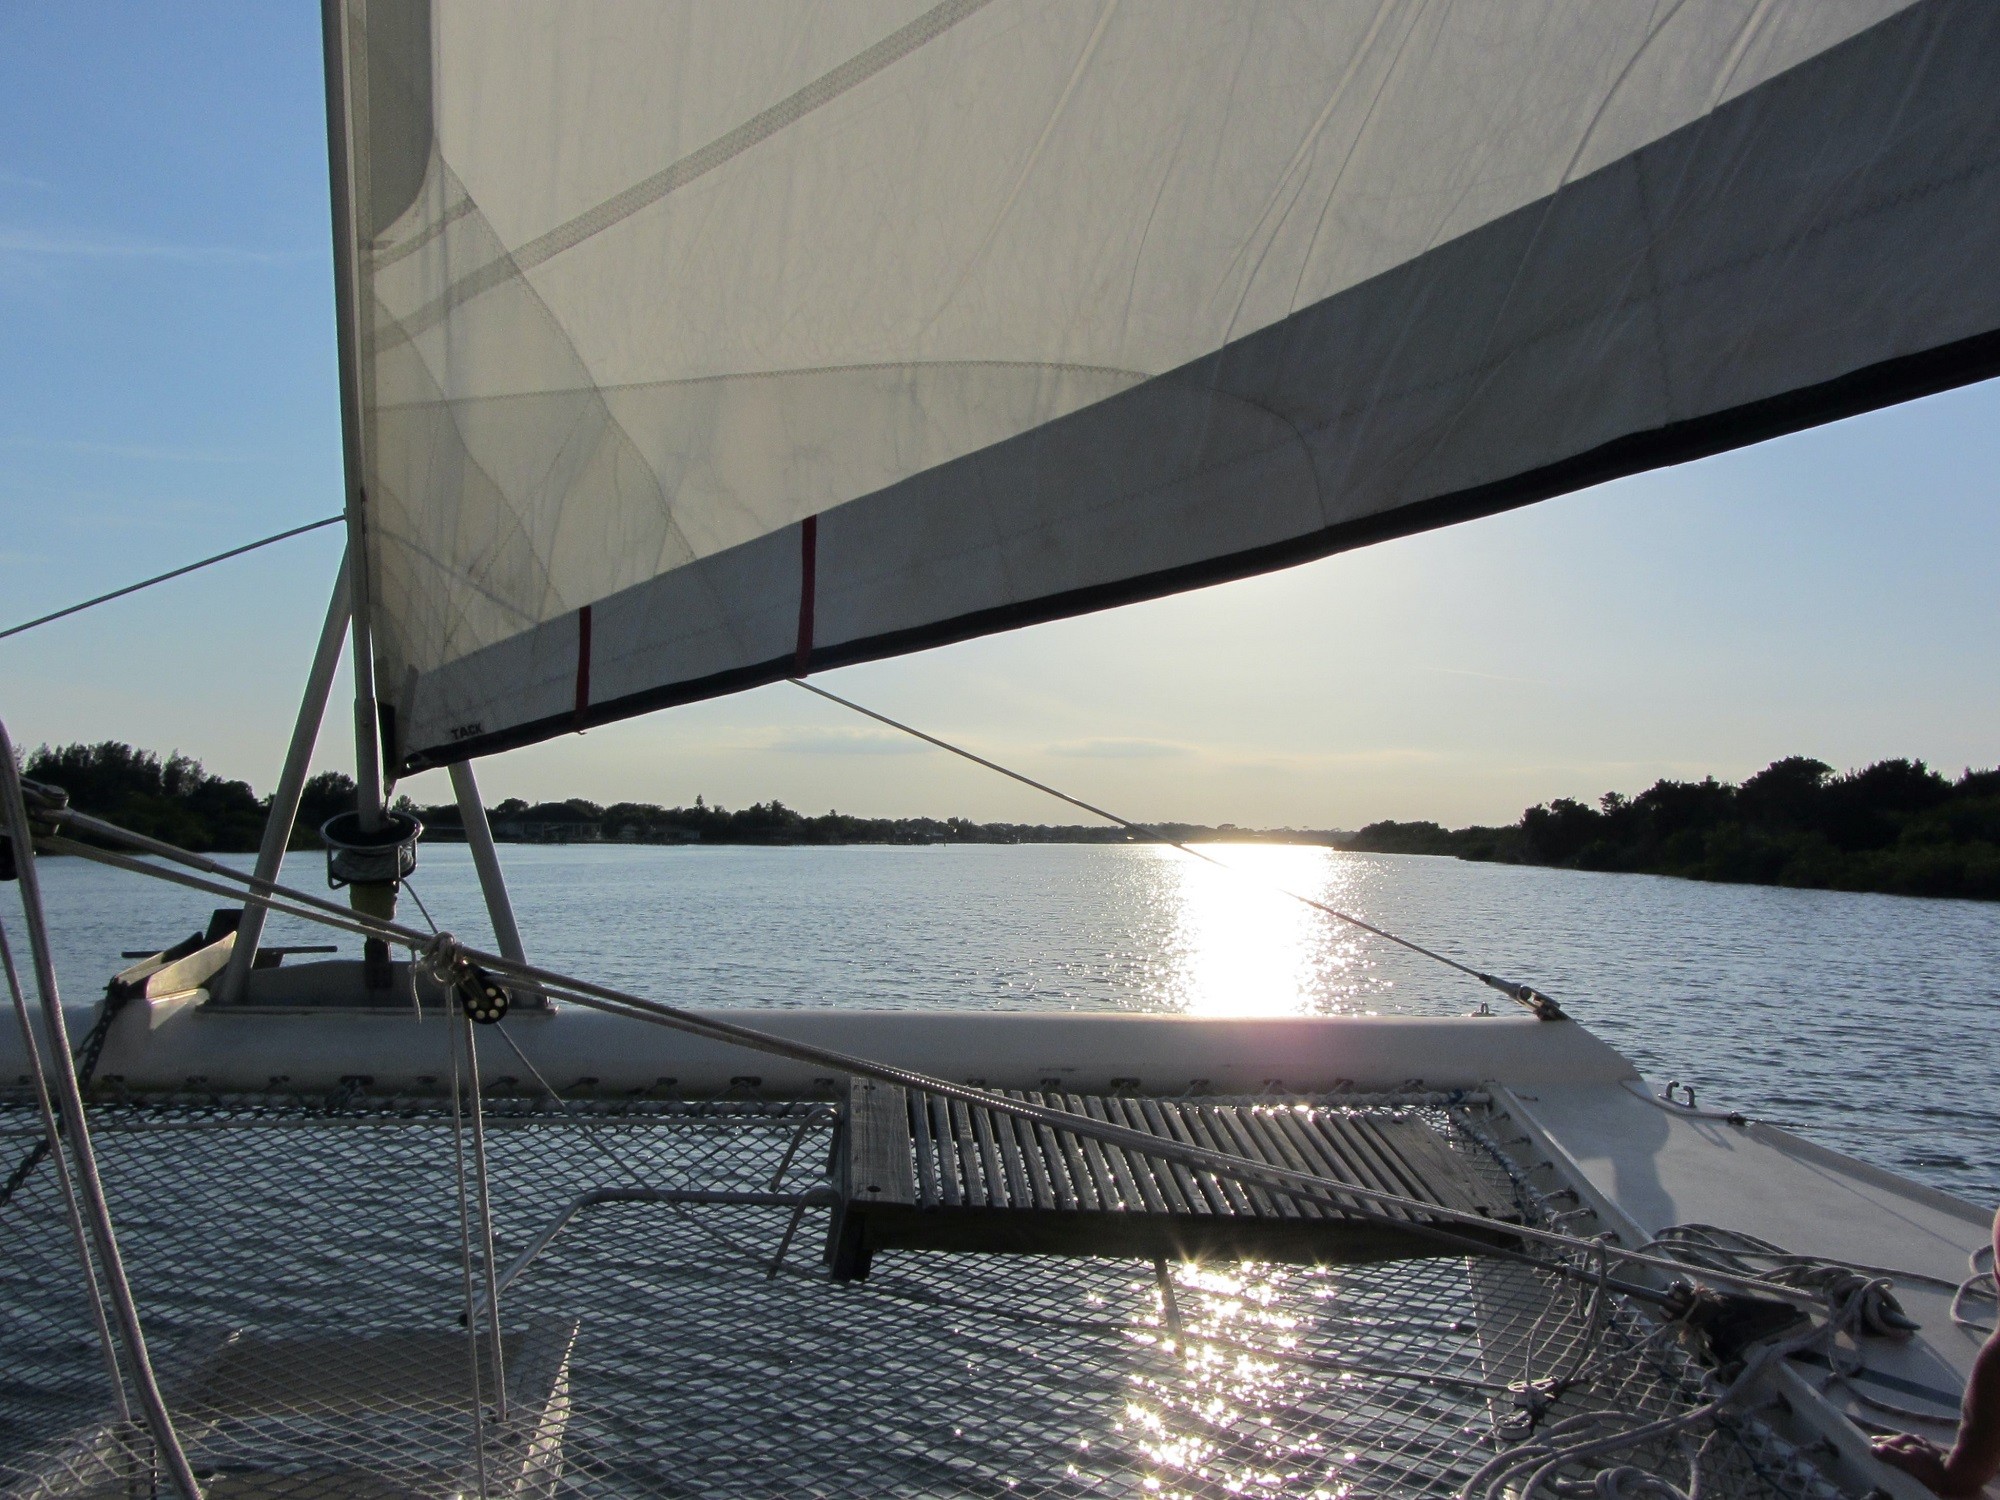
<point>1647,1165</point>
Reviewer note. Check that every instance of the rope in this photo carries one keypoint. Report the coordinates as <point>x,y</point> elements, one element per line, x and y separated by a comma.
<point>96,1210</point>
<point>1542,1460</point>
<point>133,588</point>
<point>1978,1284</point>
<point>88,1052</point>
<point>481,1181</point>
<point>1299,1185</point>
<point>52,1133</point>
<point>465,1263</point>
<point>1869,1287</point>
<point>1526,995</point>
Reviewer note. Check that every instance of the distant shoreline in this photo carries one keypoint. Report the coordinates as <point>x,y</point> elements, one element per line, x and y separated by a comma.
<point>1895,827</point>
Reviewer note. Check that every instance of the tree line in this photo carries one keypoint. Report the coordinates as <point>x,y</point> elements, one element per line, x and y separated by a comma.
<point>177,800</point>
<point>1895,826</point>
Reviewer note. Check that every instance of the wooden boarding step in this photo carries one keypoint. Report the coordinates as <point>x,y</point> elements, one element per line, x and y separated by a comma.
<point>919,1172</point>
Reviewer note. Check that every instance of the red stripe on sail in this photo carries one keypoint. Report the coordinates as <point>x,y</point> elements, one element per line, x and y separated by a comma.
<point>582,664</point>
<point>808,577</point>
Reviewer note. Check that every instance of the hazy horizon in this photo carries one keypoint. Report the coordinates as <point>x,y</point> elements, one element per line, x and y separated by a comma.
<point>169,391</point>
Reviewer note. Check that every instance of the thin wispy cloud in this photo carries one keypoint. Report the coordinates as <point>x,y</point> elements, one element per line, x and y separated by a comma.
<point>1120,750</point>
<point>22,180</point>
<point>1488,676</point>
<point>845,742</point>
<point>43,245</point>
<point>147,452</point>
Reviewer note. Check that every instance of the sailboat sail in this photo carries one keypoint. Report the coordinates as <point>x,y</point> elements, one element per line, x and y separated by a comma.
<point>699,345</point>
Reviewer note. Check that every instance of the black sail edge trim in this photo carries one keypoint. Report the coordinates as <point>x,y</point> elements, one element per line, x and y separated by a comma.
<point>1888,383</point>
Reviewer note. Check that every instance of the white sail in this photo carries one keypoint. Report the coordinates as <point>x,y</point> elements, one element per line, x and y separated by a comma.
<point>701,343</point>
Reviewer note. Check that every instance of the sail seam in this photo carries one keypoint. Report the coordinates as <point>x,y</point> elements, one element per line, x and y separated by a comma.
<point>822,91</point>
<point>1063,367</point>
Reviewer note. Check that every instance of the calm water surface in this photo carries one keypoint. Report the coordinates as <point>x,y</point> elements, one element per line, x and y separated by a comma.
<point>1869,1022</point>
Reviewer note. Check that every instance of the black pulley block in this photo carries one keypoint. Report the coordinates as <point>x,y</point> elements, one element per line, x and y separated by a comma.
<point>482,996</point>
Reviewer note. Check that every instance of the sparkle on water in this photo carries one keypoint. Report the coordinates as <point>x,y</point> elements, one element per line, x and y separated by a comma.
<point>1872,1022</point>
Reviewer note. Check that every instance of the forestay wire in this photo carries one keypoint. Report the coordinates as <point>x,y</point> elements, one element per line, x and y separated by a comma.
<point>1524,994</point>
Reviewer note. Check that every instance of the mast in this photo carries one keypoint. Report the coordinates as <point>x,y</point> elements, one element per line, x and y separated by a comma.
<point>347,312</point>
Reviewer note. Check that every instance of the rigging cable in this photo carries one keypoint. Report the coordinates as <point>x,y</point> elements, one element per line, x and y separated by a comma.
<point>1524,994</point>
<point>133,588</point>
<point>1343,1195</point>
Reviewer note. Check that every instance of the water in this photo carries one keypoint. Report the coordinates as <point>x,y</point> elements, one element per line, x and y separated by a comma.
<point>1871,1023</point>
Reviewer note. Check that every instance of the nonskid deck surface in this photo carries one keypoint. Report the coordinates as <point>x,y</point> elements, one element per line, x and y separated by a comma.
<point>651,1352</point>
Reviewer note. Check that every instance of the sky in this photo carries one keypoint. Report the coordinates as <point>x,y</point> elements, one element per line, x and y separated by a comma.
<point>167,390</point>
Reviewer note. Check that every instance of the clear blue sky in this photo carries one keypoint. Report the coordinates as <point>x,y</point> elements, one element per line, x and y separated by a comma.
<point>167,390</point>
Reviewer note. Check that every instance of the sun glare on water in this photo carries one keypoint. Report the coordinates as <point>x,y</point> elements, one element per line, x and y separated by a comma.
<point>1243,948</point>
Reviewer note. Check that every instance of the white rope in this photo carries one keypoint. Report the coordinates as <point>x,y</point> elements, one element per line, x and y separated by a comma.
<point>1980,1283</point>
<point>1543,1458</point>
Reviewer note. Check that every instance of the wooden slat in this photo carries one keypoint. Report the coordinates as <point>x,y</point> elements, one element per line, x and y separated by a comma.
<point>1165,1175</point>
<point>1151,1194</point>
<point>997,1186</point>
<point>972,1172</point>
<point>1061,1185</point>
<point>947,1153</point>
<point>1198,1186</point>
<point>1357,1146</point>
<point>878,1143</point>
<point>920,1141</point>
<point>1018,1193</point>
<point>1278,1151</point>
<point>1325,1161</point>
<point>1109,1158</point>
<point>1189,1125</point>
<point>1081,1182</point>
<point>1031,1158</point>
<point>1095,1175</point>
<point>1451,1177</point>
<point>926,1173</point>
<point>1219,1127</point>
<point>1370,1138</point>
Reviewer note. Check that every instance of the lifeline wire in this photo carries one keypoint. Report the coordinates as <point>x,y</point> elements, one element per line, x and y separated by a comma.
<point>133,588</point>
<point>617,1002</point>
<point>1527,995</point>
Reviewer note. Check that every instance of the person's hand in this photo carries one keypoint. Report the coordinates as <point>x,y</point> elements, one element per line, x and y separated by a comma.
<point>1922,1460</point>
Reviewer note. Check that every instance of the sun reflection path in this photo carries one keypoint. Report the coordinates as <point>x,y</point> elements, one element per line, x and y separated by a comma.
<point>1239,948</point>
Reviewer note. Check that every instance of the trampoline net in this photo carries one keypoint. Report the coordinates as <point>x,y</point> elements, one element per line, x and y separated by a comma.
<point>300,1267</point>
